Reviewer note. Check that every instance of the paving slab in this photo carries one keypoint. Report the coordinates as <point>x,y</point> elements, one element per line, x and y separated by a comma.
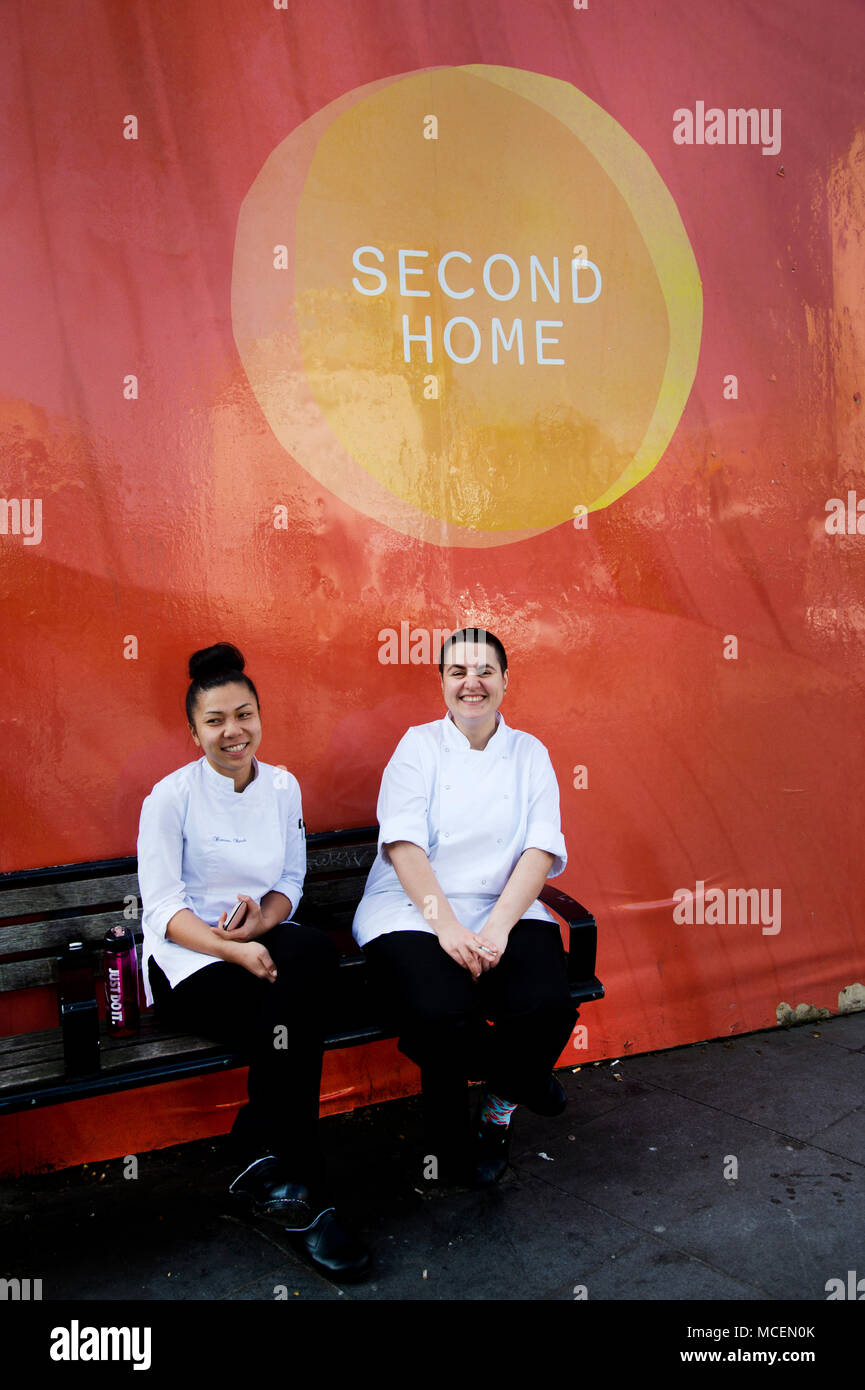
<point>653,1270</point>
<point>781,1086</point>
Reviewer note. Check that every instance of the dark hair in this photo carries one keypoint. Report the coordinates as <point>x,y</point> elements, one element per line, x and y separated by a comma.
<point>475,635</point>
<point>213,666</point>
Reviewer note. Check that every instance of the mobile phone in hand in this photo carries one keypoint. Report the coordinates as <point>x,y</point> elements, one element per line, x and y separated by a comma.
<point>235,916</point>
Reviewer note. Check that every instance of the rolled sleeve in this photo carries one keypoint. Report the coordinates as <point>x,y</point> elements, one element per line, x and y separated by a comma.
<point>544,825</point>
<point>160,852</point>
<point>294,869</point>
<point>403,800</point>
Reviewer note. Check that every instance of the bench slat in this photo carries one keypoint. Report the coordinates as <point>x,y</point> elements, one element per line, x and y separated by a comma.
<point>27,974</point>
<point>328,861</point>
<point>42,1058</point>
<point>53,935</point>
<point>48,897</point>
<point>334,890</point>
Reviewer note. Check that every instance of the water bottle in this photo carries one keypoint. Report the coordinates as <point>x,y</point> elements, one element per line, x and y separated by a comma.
<point>79,1015</point>
<point>121,982</point>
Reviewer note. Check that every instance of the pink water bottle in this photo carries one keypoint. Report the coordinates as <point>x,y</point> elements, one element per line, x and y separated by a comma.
<point>121,982</point>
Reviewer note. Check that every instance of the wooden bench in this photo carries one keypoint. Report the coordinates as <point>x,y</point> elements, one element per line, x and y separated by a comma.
<point>42,910</point>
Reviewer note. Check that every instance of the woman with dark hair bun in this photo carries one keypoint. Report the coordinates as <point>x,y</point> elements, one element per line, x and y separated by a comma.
<point>221,864</point>
<point>450,920</point>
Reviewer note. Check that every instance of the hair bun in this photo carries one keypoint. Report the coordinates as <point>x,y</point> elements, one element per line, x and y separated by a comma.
<point>222,659</point>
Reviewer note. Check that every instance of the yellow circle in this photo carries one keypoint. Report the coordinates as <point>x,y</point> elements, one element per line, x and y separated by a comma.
<point>489,313</point>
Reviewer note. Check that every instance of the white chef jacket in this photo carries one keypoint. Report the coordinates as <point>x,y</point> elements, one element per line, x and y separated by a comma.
<point>472,812</point>
<point>200,843</point>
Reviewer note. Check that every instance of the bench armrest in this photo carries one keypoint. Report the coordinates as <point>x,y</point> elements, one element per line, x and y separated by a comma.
<point>582,935</point>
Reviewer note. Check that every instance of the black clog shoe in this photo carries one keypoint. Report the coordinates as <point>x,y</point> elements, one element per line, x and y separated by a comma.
<point>265,1188</point>
<point>333,1250</point>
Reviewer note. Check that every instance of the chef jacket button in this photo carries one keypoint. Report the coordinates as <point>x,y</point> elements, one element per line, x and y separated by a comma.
<point>447,834</point>
<point>447,786</point>
<point>483,880</point>
<point>498,842</point>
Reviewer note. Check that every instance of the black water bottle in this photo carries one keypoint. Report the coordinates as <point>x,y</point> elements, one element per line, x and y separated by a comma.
<point>79,1017</point>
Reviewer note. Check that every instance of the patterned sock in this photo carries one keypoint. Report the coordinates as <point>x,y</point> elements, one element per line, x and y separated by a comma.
<point>496,1111</point>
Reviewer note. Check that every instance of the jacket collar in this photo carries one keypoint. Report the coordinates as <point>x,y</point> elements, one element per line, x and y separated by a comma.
<point>457,740</point>
<point>224,786</point>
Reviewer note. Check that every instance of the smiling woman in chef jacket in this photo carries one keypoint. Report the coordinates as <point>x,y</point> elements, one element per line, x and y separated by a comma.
<point>221,863</point>
<point>449,921</point>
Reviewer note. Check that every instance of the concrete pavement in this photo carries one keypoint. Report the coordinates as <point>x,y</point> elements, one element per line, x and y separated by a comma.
<point>723,1171</point>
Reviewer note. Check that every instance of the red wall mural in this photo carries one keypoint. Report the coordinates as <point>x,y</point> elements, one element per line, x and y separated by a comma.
<point>261,380</point>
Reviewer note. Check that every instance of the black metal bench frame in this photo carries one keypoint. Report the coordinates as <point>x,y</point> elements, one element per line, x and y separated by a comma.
<point>43,909</point>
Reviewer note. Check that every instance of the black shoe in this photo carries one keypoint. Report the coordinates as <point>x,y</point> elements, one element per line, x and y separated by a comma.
<point>492,1147</point>
<point>332,1250</point>
<point>550,1099</point>
<point>265,1187</point>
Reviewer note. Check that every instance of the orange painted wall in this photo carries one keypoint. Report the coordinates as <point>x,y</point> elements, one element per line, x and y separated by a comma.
<point>157,517</point>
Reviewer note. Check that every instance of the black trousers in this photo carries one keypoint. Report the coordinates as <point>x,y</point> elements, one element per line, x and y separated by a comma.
<point>507,1028</point>
<point>279,1027</point>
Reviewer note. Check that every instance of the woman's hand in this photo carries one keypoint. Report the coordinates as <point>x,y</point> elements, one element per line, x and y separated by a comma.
<point>520,891</point>
<point>496,939</point>
<point>465,948</point>
<point>251,926</point>
<point>255,958</point>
